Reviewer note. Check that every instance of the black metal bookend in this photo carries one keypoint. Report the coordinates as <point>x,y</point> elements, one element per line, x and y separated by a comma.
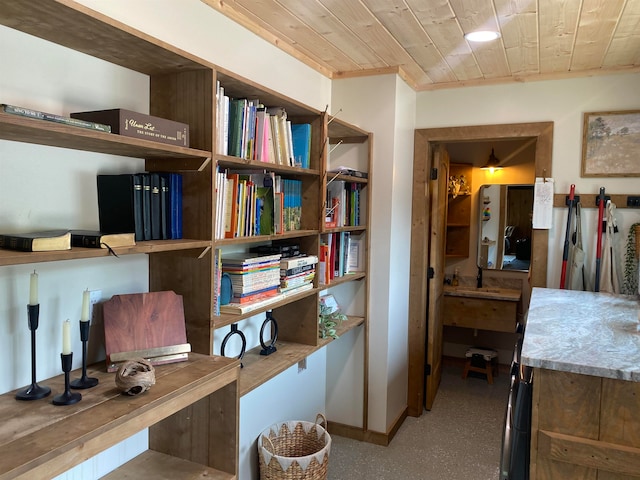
<point>269,349</point>
<point>234,331</point>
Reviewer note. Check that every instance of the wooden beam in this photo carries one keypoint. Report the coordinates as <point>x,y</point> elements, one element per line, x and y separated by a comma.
<point>589,453</point>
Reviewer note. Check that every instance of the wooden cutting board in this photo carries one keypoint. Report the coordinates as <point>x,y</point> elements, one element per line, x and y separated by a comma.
<point>144,321</point>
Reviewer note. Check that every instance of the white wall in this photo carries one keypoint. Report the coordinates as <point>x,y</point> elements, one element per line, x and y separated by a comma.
<point>385,106</point>
<point>200,30</point>
<point>562,102</point>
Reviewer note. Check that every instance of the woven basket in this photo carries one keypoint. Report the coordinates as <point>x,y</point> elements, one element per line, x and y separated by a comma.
<point>295,450</point>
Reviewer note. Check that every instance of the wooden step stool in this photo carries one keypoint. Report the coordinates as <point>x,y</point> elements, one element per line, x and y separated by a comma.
<point>481,360</point>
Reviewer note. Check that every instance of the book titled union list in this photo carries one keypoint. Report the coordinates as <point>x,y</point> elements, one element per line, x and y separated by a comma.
<point>139,125</point>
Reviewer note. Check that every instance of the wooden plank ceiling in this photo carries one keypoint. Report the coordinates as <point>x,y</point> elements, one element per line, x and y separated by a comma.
<point>422,40</point>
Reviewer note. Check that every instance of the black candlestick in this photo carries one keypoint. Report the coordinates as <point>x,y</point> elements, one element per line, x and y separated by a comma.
<point>34,391</point>
<point>66,398</point>
<point>84,381</point>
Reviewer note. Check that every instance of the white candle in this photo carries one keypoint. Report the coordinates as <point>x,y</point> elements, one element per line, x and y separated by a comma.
<point>84,316</point>
<point>66,337</point>
<point>33,289</point>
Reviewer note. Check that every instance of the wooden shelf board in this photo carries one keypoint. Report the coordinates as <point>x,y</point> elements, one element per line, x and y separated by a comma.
<point>340,130</point>
<point>344,327</point>
<point>237,162</point>
<point>42,132</point>
<point>97,35</point>
<point>331,176</point>
<point>38,439</point>
<point>14,257</point>
<point>265,238</point>
<point>349,277</point>
<point>258,369</point>
<point>355,229</point>
<point>159,466</point>
<point>227,318</point>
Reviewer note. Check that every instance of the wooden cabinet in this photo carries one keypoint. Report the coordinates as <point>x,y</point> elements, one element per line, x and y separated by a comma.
<point>484,309</point>
<point>40,440</point>
<point>459,213</point>
<point>584,426</point>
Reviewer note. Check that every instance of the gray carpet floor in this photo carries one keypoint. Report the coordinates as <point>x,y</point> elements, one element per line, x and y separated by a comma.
<point>459,439</point>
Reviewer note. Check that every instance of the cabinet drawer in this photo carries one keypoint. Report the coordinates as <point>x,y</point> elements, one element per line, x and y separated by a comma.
<point>480,313</point>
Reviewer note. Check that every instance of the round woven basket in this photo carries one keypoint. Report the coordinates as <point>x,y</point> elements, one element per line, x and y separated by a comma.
<point>295,450</point>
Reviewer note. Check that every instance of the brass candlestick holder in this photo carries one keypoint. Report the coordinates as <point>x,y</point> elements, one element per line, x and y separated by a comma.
<point>67,397</point>
<point>34,391</point>
<point>84,381</point>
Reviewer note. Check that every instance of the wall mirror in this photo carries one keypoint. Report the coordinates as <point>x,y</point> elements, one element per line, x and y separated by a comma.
<point>504,230</point>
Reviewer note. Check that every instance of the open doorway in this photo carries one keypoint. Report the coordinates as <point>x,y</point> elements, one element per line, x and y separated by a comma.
<point>424,328</point>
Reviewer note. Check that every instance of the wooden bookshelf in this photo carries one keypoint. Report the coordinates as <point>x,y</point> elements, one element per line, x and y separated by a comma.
<point>181,88</point>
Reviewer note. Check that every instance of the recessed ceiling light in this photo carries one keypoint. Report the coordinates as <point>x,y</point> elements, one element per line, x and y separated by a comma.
<point>482,36</point>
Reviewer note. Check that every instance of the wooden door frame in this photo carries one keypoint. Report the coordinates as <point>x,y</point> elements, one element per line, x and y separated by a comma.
<point>424,142</point>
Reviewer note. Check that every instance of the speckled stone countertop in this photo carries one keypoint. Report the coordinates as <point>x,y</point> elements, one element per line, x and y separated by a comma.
<point>583,332</point>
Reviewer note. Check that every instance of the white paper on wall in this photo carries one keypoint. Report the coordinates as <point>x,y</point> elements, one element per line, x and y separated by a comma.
<point>543,203</point>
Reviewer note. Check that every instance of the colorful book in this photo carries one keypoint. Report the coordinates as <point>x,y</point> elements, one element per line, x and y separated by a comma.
<point>287,263</point>
<point>239,309</point>
<point>296,270</point>
<point>297,280</point>
<point>285,292</point>
<point>301,138</point>
<point>255,296</point>
<point>248,258</point>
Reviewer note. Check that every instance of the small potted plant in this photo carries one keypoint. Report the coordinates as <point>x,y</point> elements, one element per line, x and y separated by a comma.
<point>330,317</point>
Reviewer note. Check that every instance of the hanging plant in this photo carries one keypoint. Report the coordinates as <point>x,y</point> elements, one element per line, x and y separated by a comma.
<point>630,284</point>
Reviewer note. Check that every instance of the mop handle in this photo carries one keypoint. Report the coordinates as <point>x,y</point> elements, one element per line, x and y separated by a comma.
<point>565,252</point>
<point>599,238</point>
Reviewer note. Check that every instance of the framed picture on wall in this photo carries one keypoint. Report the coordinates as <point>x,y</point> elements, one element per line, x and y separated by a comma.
<point>610,143</point>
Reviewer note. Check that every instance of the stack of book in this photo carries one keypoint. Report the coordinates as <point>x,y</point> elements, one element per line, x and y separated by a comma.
<point>255,279</point>
<point>297,273</point>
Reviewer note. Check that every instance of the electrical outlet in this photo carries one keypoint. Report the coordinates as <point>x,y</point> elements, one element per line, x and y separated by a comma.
<point>94,297</point>
<point>302,365</point>
<point>633,201</point>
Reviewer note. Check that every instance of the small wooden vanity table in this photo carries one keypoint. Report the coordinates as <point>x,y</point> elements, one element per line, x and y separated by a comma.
<point>489,308</point>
